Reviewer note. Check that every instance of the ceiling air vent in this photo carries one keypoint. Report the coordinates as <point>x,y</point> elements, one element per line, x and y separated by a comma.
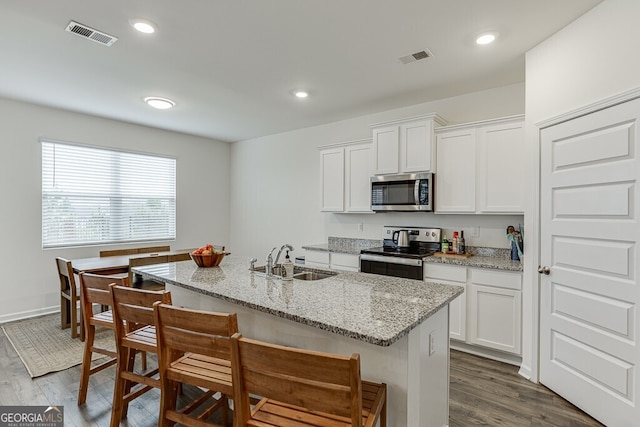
<point>91,34</point>
<point>423,54</point>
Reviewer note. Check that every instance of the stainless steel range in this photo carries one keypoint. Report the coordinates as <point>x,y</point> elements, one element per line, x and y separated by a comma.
<point>400,258</point>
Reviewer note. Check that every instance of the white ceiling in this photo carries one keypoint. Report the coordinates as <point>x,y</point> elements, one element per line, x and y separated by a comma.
<point>231,65</point>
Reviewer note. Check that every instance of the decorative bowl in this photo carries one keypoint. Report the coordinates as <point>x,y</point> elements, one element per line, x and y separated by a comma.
<point>212,260</point>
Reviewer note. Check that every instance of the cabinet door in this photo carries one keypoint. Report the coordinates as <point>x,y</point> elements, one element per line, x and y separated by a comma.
<point>417,149</point>
<point>318,259</point>
<point>332,180</point>
<point>358,178</point>
<point>456,177</point>
<point>494,318</point>
<point>501,164</point>
<point>346,262</point>
<point>451,275</point>
<point>385,150</point>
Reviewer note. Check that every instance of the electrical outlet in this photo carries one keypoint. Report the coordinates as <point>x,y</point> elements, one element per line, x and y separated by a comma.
<point>432,343</point>
<point>360,227</point>
<point>475,232</point>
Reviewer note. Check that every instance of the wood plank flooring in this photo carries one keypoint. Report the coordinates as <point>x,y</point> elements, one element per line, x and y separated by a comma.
<point>482,393</point>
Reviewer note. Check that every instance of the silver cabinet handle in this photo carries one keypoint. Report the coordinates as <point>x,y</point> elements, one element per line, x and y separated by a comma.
<point>544,270</point>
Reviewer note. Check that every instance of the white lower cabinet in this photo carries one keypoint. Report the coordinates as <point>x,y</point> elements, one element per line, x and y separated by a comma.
<point>489,313</point>
<point>495,309</point>
<point>332,260</point>
<point>346,262</point>
<point>319,259</point>
<point>450,275</point>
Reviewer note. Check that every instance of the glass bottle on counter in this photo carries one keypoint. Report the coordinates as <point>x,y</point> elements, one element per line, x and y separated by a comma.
<point>461,244</point>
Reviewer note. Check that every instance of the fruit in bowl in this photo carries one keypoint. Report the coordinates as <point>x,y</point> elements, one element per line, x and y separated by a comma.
<point>208,256</point>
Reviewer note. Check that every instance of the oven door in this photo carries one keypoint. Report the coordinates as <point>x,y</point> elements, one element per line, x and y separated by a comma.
<point>408,268</point>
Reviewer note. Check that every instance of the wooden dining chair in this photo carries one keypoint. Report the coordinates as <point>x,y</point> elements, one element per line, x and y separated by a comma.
<point>302,387</point>
<point>194,348</point>
<point>135,332</point>
<point>133,251</point>
<point>69,297</point>
<point>94,289</point>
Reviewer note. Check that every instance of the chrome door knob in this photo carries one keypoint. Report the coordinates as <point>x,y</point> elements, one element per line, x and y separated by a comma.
<point>544,270</point>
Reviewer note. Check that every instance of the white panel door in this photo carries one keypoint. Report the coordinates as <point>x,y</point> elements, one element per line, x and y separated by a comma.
<point>456,177</point>
<point>589,321</point>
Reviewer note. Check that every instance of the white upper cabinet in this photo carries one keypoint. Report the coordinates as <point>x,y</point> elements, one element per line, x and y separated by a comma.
<point>386,143</point>
<point>332,180</point>
<point>405,146</point>
<point>481,167</point>
<point>357,178</point>
<point>345,177</point>
<point>455,181</point>
<point>501,163</point>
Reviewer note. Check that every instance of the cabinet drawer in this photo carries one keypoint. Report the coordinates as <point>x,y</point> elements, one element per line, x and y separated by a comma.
<point>498,279</point>
<point>320,257</point>
<point>445,272</point>
<point>345,260</point>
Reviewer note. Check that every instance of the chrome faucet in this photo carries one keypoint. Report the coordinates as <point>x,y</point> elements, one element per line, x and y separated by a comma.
<point>287,246</point>
<point>269,267</point>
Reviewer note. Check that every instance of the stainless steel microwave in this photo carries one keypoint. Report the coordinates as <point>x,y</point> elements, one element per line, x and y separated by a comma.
<point>408,193</point>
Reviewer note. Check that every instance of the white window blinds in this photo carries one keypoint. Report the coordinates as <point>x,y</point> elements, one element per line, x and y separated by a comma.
<point>93,196</point>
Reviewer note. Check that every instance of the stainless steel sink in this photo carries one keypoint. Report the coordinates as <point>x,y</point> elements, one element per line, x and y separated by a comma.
<point>299,273</point>
<point>312,275</point>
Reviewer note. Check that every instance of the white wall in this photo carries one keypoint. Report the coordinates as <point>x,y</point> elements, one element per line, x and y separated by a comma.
<point>591,59</point>
<point>275,180</point>
<point>30,284</point>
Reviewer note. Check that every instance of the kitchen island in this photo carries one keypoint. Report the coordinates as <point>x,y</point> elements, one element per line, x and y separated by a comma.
<point>399,326</point>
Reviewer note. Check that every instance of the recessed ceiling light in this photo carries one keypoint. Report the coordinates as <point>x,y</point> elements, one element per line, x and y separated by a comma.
<point>143,25</point>
<point>159,103</point>
<point>301,94</point>
<point>486,38</point>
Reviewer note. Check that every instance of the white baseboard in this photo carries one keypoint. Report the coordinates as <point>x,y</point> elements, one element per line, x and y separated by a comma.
<point>511,359</point>
<point>27,314</point>
<point>525,372</point>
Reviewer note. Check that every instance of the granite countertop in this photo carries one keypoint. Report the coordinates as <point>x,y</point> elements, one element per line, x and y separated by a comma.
<point>344,245</point>
<point>478,261</point>
<point>493,258</point>
<point>371,308</point>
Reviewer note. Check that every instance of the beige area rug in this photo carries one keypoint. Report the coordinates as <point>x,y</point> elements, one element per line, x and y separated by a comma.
<point>43,347</point>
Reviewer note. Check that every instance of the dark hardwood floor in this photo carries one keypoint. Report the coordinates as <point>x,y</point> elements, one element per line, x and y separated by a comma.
<point>483,393</point>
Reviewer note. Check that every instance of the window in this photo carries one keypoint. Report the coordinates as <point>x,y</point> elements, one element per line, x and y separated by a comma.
<point>94,195</point>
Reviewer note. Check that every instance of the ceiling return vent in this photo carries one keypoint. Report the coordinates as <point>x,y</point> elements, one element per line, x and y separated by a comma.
<point>91,34</point>
<point>423,54</point>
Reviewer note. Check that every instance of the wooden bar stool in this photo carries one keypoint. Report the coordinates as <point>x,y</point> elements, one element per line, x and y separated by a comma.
<point>94,289</point>
<point>134,331</point>
<point>194,348</point>
<point>69,297</point>
<point>302,388</point>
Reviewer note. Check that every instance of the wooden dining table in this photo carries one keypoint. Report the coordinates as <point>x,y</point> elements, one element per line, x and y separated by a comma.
<point>118,264</point>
